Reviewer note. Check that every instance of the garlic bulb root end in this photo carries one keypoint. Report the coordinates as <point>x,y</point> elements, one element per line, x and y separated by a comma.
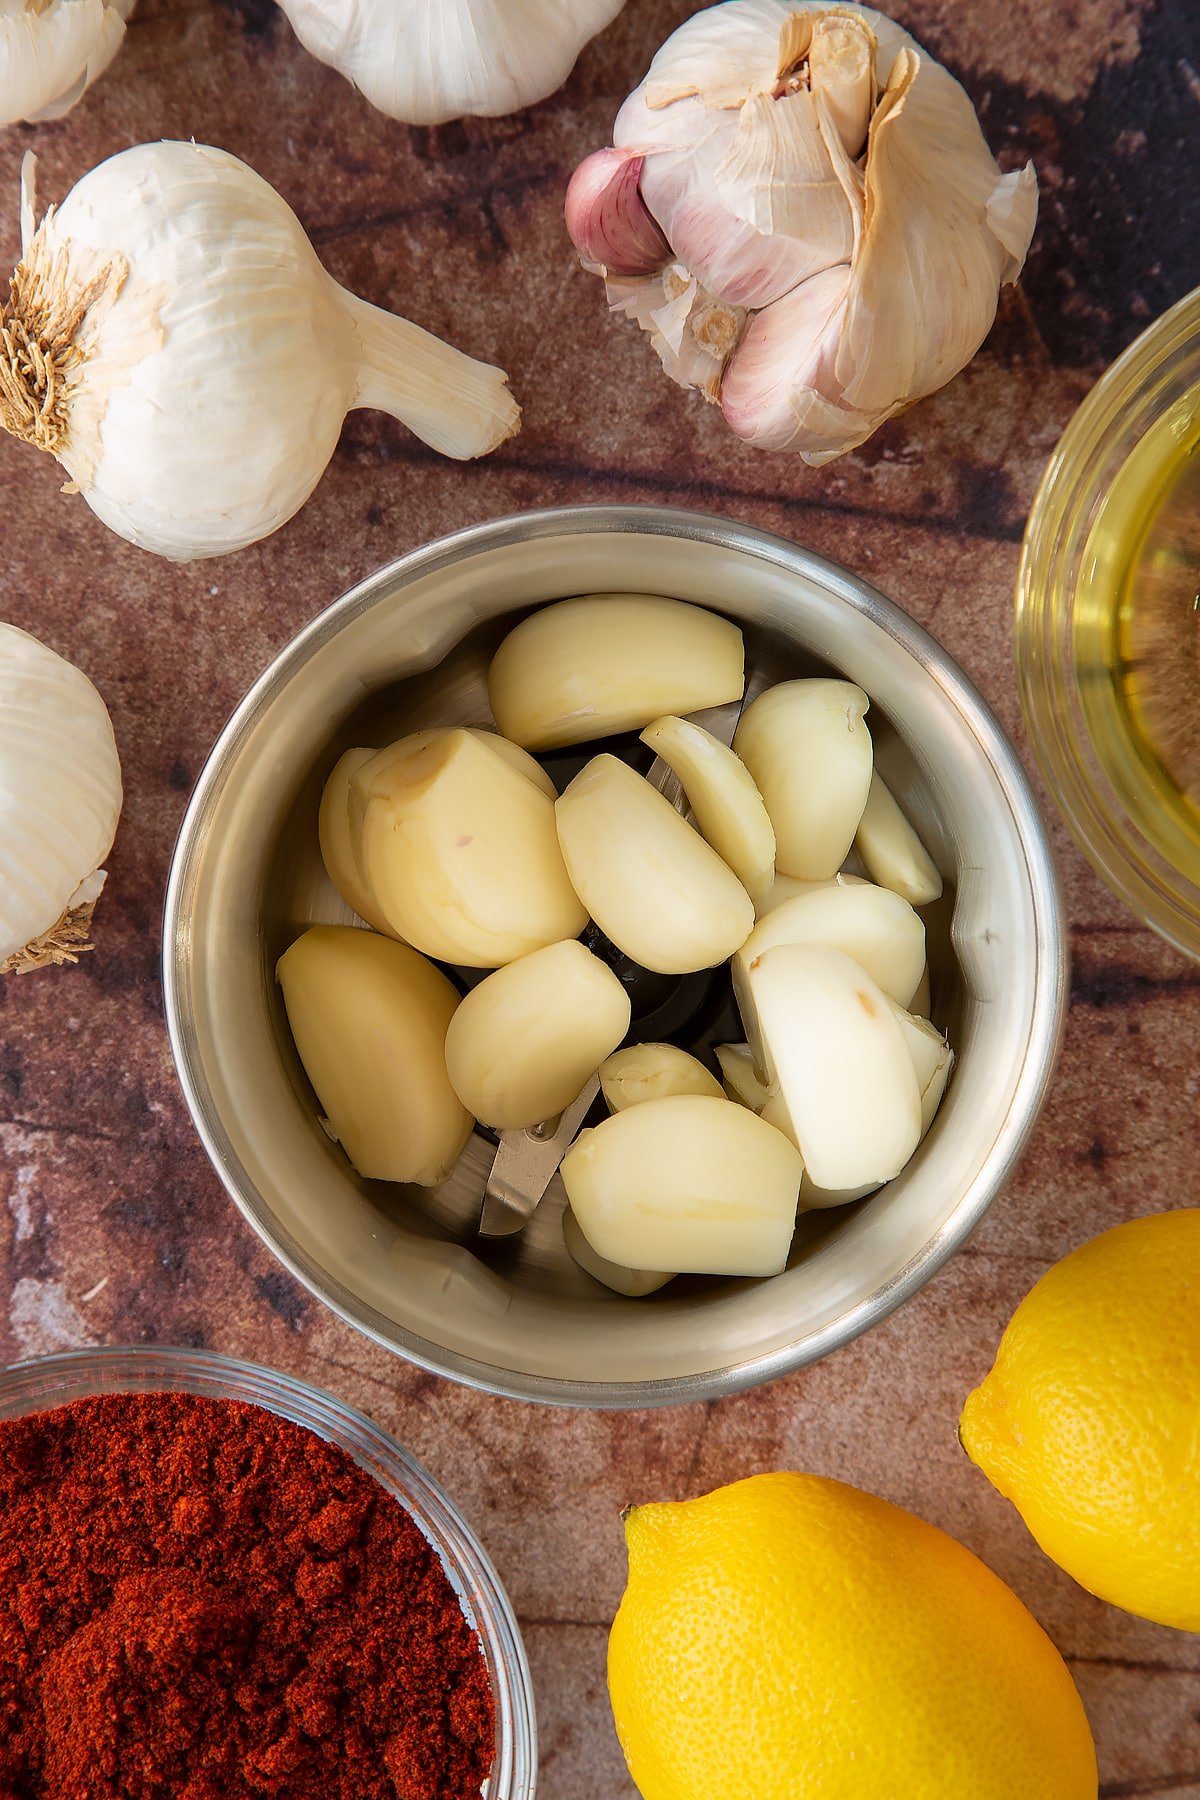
<point>43,325</point>
<point>65,942</point>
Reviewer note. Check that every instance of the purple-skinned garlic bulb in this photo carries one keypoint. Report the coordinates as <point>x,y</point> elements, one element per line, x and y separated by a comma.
<point>801,211</point>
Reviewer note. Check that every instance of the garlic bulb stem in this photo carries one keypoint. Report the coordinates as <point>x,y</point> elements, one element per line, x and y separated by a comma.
<point>408,372</point>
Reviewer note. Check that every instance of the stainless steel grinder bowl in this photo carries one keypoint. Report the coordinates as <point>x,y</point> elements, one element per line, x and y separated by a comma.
<point>409,647</point>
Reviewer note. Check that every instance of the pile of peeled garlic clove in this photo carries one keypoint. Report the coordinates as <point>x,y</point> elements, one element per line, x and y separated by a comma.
<point>454,847</point>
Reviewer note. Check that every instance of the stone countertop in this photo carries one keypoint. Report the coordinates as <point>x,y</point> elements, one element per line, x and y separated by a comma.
<point>113,1227</point>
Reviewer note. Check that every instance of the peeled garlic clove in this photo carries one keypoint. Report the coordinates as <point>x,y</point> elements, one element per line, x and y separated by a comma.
<point>787,887</point>
<point>932,1060</point>
<point>893,853</point>
<point>816,1199</point>
<point>607,219</point>
<point>523,1043</point>
<point>688,1183</point>
<point>931,1096</point>
<point>809,752</point>
<point>337,849</point>
<point>369,1017</point>
<point>831,1044</point>
<point>458,850</point>
<point>337,852</point>
<point>634,1283</point>
<point>742,1077</point>
<point>771,1107</point>
<point>51,51</point>
<point>649,881</point>
<point>519,759</point>
<point>589,668</point>
<point>871,924</point>
<point>922,999</point>
<point>428,61</point>
<point>721,793</point>
<point>195,361</point>
<point>60,799</point>
<point>650,1072</point>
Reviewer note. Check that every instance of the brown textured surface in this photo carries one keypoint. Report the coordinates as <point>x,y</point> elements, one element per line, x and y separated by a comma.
<point>113,1228</point>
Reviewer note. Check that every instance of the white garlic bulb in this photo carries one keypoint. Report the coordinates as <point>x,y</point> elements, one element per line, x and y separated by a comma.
<point>51,51</point>
<point>426,61</point>
<point>801,211</point>
<point>173,340</point>
<point>60,798</point>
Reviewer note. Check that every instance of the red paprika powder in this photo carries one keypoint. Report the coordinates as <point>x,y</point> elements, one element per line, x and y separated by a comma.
<point>202,1601</point>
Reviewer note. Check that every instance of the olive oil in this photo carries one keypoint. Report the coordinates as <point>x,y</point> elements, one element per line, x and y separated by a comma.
<point>1137,634</point>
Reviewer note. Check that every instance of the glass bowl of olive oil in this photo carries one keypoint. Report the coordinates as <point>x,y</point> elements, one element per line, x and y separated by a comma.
<point>1108,626</point>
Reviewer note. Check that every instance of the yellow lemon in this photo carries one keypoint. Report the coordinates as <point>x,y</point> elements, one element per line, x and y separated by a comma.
<point>1090,1420</point>
<point>792,1638</point>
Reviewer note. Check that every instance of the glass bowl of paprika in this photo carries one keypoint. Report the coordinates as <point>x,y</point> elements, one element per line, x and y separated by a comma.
<point>181,1552</point>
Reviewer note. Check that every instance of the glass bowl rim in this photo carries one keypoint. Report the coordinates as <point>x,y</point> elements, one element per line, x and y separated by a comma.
<point>159,1368</point>
<point>1109,836</point>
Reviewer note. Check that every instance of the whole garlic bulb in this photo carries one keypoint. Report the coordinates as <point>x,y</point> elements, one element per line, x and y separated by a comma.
<point>426,61</point>
<point>60,798</point>
<point>173,340</point>
<point>51,51</point>
<point>801,211</point>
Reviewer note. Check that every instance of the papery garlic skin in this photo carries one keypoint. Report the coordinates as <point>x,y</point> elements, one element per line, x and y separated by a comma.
<point>649,881</point>
<point>369,1018</point>
<point>644,1072</point>
<point>824,186</point>
<point>687,1184</point>
<point>173,340</point>
<point>60,799</point>
<point>635,1284</point>
<point>427,61</point>
<point>605,663</point>
<point>51,51</point>
<point>523,1043</point>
